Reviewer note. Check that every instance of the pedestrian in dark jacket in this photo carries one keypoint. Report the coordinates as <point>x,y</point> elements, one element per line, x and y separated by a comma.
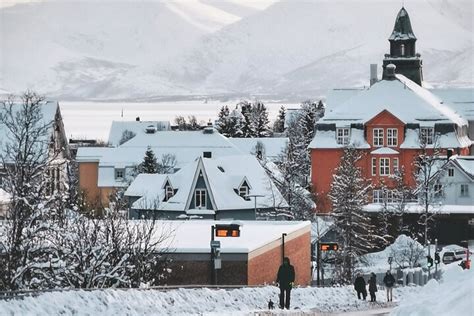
<point>372,286</point>
<point>285,279</point>
<point>359,286</point>
<point>389,282</point>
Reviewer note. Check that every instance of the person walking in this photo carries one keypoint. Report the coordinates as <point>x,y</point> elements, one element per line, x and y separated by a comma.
<point>285,279</point>
<point>359,286</point>
<point>372,287</point>
<point>389,282</point>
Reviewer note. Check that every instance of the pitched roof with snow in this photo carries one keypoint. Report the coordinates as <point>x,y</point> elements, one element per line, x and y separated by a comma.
<point>137,127</point>
<point>404,99</point>
<point>223,177</point>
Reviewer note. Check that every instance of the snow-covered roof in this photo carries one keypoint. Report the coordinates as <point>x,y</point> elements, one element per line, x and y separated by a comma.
<point>223,176</point>
<point>48,110</point>
<point>273,146</point>
<point>88,154</point>
<point>384,151</point>
<point>4,196</point>
<point>415,208</point>
<point>194,236</point>
<point>461,100</point>
<point>466,163</point>
<point>402,97</point>
<point>137,127</point>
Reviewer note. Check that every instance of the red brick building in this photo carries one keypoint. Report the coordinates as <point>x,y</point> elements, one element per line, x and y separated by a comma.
<point>251,259</point>
<point>387,121</point>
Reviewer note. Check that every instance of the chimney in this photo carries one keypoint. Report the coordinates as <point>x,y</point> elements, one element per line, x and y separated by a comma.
<point>373,74</point>
<point>390,71</point>
<point>449,153</point>
<point>137,119</point>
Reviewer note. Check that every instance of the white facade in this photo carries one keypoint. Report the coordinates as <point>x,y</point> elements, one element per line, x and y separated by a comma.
<point>457,181</point>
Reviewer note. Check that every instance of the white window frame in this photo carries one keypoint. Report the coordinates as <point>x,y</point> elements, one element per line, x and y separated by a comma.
<point>377,196</point>
<point>450,172</point>
<point>119,174</point>
<point>374,166</point>
<point>201,193</point>
<point>396,165</point>
<point>427,135</point>
<point>169,192</point>
<point>343,135</point>
<point>464,190</point>
<point>384,166</point>
<point>377,137</point>
<point>392,137</point>
<point>244,191</point>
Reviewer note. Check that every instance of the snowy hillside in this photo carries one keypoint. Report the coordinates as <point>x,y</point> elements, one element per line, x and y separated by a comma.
<point>115,49</point>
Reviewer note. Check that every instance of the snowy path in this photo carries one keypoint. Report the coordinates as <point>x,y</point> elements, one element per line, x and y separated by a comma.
<point>243,301</point>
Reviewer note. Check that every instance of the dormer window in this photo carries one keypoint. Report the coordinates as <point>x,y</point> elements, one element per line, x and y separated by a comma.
<point>426,135</point>
<point>343,136</point>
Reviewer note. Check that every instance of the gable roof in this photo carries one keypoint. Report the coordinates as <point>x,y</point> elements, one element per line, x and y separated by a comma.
<point>384,112</point>
<point>402,97</point>
<point>221,185</point>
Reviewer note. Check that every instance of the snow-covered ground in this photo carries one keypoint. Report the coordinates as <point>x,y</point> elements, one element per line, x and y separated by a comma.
<point>453,295</point>
<point>190,301</point>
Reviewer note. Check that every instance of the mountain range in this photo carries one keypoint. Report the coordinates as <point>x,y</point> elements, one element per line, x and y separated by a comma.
<point>111,50</point>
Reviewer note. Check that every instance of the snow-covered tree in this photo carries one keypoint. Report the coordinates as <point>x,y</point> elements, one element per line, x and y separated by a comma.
<point>406,252</point>
<point>229,123</point>
<point>279,124</point>
<point>348,195</point>
<point>260,121</point>
<point>35,202</point>
<point>427,165</point>
<point>246,110</point>
<point>149,164</point>
<point>166,164</point>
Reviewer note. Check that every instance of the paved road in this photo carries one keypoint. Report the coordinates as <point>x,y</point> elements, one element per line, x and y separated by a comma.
<point>371,312</point>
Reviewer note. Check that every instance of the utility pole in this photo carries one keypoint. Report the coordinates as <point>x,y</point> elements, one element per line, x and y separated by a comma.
<point>318,263</point>
<point>429,255</point>
<point>283,247</point>
<point>436,261</point>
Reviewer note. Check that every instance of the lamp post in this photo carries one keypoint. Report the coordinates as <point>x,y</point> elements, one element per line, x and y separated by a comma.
<point>255,196</point>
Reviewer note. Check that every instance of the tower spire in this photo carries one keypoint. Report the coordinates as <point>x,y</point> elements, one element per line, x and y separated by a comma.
<point>403,49</point>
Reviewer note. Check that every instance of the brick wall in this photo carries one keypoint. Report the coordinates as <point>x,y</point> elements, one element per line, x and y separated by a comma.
<point>199,273</point>
<point>263,269</point>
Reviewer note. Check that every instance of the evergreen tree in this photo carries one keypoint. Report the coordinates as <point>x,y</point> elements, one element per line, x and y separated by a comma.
<point>260,120</point>
<point>246,110</point>
<point>348,195</point>
<point>279,125</point>
<point>149,164</point>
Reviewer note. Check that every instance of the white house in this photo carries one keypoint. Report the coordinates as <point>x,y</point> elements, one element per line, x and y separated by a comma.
<point>133,128</point>
<point>227,187</point>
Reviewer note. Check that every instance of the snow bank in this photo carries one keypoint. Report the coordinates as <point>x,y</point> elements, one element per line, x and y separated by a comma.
<point>453,295</point>
<point>186,301</point>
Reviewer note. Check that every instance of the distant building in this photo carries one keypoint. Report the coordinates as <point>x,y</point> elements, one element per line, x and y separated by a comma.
<point>387,121</point>
<point>120,129</point>
<point>228,187</point>
<point>55,143</point>
<point>105,169</point>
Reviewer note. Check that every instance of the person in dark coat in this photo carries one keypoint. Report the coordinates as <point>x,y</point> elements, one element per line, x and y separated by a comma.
<point>389,282</point>
<point>359,286</point>
<point>285,279</point>
<point>372,286</point>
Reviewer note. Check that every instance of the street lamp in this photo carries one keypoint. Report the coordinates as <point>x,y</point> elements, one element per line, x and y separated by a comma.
<point>255,196</point>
